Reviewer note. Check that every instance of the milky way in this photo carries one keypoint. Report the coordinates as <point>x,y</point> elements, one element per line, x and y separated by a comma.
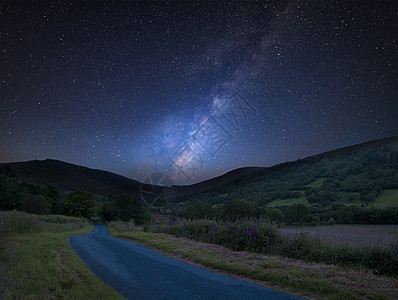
<point>194,89</point>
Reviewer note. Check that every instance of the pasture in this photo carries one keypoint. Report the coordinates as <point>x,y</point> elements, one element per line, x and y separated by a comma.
<point>353,235</point>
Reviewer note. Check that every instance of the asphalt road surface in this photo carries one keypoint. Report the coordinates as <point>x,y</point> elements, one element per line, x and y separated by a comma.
<point>138,272</point>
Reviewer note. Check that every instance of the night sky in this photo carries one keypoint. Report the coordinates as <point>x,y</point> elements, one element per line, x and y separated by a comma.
<point>194,89</point>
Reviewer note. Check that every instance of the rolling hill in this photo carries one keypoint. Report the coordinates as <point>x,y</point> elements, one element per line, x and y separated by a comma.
<point>66,176</point>
<point>365,174</point>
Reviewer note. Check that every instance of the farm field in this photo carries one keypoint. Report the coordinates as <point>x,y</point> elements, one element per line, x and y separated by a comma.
<point>353,235</point>
<point>280,202</point>
<point>388,198</point>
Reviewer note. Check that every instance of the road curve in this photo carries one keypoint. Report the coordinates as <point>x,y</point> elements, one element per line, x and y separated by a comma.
<point>138,272</point>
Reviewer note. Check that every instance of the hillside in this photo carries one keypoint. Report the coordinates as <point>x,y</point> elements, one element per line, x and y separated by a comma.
<point>216,181</point>
<point>66,176</point>
<point>364,174</point>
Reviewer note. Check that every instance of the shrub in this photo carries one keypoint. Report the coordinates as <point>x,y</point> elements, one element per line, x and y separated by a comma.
<point>263,236</point>
<point>331,221</point>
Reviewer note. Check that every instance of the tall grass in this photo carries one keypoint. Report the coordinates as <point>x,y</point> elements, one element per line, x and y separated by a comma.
<point>263,236</point>
<point>244,235</point>
<point>60,219</point>
<point>122,226</point>
<point>37,262</point>
<point>16,222</point>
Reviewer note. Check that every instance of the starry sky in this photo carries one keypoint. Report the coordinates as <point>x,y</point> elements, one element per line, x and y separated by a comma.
<point>194,89</point>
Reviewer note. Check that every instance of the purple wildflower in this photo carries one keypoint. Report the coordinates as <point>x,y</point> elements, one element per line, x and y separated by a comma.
<point>228,224</point>
<point>392,247</point>
<point>267,243</point>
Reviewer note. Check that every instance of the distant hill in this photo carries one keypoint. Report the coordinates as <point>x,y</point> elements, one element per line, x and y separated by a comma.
<point>216,181</point>
<point>365,174</point>
<point>66,176</point>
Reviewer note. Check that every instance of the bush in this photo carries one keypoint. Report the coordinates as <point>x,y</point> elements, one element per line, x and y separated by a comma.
<point>239,235</point>
<point>263,236</point>
<point>331,221</point>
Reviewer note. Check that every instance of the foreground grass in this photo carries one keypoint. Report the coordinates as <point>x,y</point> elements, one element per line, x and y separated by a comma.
<point>40,264</point>
<point>317,281</point>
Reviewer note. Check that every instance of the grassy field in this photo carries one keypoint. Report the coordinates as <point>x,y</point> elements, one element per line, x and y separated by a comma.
<point>309,280</point>
<point>280,202</point>
<point>353,235</point>
<point>317,183</point>
<point>36,261</point>
<point>387,198</point>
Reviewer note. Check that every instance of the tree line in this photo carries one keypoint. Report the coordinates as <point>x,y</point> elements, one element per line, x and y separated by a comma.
<point>295,214</point>
<point>22,196</point>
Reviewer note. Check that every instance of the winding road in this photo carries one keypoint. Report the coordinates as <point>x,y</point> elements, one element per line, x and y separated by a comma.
<point>138,272</point>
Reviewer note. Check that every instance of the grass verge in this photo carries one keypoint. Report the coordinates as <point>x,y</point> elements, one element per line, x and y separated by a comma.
<point>40,264</point>
<point>309,280</point>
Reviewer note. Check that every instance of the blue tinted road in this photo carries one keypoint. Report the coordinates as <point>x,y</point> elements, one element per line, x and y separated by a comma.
<point>138,272</point>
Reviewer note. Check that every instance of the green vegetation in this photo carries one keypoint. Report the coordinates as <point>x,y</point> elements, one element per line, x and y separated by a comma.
<point>316,183</point>
<point>36,261</point>
<point>386,199</point>
<point>81,204</point>
<point>125,209</point>
<point>19,195</point>
<point>284,202</point>
<point>297,277</point>
<point>262,236</point>
<point>365,176</point>
<point>294,214</point>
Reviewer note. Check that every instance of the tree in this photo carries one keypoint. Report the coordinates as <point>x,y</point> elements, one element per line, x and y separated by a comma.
<point>200,210</point>
<point>80,204</point>
<point>54,195</point>
<point>296,213</point>
<point>275,214</point>
<point>8,172</point>
<point>126,209</point>
<point>238,208</point>
<point>35,204</point>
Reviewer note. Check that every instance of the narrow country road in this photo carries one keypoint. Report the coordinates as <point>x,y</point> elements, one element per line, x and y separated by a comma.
<point>138,272</point>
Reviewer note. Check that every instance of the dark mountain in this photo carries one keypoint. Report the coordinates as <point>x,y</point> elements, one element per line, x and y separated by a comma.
<point>66,176</point>
<point>216,181</point>
<point>356,174</point>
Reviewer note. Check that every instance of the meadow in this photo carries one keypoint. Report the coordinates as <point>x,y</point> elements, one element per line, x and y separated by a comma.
<point>264,237</point>
<point>352,235</point>
<point>36,261</point>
